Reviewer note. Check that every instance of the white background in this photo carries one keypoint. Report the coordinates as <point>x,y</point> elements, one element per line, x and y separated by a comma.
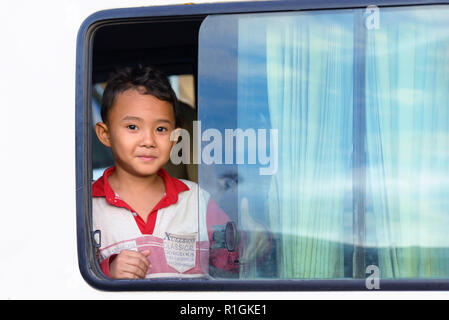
<point>38,257</point>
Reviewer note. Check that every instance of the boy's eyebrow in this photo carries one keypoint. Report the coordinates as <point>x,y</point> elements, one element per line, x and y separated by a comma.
<point>126,118</point>
<point>164,120</point>
<point>134,118</point>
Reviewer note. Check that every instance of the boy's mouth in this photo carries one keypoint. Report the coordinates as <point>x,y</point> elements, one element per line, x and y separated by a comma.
<point>146,158</point>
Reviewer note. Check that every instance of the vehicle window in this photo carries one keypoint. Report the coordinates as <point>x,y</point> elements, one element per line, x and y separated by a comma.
<point>327,132</point>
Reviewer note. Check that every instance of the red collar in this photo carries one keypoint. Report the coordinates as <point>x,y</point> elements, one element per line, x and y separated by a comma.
<point>173,187</point>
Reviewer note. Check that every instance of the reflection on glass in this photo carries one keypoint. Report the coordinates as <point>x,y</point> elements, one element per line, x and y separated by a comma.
<point>305,61</point>
<point>408,142</point>
<point>299,74</point>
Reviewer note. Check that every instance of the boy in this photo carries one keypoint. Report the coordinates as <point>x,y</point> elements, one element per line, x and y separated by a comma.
<point>152,225</point>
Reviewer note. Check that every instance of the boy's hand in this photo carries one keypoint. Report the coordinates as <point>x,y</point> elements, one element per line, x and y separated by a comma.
<point>258,242</point>
<point>130,264</point>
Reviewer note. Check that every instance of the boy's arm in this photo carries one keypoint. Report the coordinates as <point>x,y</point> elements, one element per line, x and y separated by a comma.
<point>220,257</point>
<point>104,265</point>
<point>258,242</point>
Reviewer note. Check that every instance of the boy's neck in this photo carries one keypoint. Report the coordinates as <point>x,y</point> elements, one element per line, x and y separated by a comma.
<point>121,180</point>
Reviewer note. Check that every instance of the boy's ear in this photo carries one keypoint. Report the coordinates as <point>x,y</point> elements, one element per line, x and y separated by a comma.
<point>102,131</point>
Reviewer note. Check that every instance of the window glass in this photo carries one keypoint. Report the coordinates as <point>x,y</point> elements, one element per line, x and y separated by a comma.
<point>407,130</point>
<point>327,133</point>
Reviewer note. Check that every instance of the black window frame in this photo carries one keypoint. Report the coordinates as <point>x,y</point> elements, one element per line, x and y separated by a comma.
<point>88,265</point>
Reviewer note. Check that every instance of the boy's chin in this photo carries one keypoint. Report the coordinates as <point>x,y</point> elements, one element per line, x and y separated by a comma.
<point>146,172</point>
<point>143,170</point>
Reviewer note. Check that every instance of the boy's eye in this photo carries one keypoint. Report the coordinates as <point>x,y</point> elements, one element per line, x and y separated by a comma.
<point>161,129</point>
<point>132,127</point>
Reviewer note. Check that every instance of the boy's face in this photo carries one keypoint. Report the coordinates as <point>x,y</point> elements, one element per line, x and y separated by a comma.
<point>138,131</point>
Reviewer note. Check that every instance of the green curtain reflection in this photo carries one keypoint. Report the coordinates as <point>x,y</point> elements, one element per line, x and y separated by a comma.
<point>303,62</point>
<point>309,64</point>
<point>407,115</point>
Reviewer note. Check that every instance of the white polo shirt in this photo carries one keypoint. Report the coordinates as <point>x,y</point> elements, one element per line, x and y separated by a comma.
<point>178,231</point>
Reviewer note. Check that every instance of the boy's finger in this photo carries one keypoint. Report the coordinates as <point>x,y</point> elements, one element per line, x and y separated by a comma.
<point>135,262</point>
<point>140,256</point>
<point>138,271</point>
<point>135,269</point>
<point>139,262</point>
<point>143,257</point>
<point>128,275</point>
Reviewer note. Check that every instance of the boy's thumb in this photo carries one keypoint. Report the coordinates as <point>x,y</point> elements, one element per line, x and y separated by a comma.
<point>146,253</point>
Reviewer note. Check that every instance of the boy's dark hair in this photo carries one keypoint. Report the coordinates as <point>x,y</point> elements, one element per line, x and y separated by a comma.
<point>143,78</point>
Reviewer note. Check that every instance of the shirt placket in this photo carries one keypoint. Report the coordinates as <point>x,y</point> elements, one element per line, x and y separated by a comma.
<point>152,217</point>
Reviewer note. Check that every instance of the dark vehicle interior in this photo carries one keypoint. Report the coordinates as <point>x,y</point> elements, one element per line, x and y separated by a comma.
<point>171,46</point>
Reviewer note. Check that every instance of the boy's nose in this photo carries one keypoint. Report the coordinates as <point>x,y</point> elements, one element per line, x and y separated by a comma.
<point>148,140</point>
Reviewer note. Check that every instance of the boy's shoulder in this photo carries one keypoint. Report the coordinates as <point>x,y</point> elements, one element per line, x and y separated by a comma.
<point>190,184</point>
<point>98,187</point>
<point>194,189</point>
